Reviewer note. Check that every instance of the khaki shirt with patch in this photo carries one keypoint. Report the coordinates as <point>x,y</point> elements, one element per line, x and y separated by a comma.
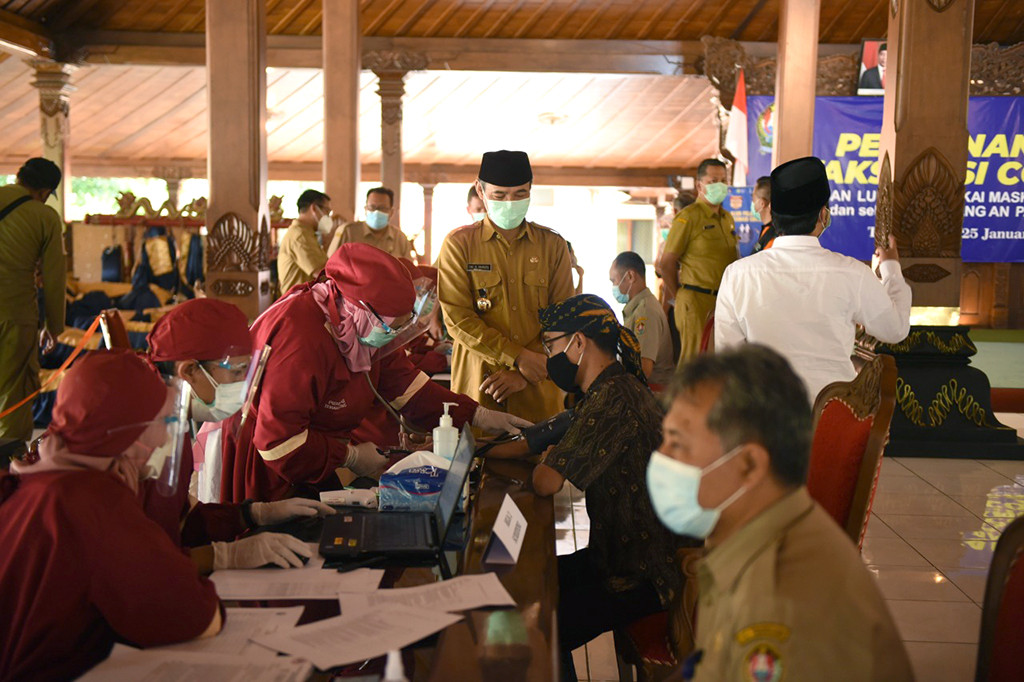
<point>789,598</point>
<point>645,317</point>
<point>517,279</point>
<point>300,256</point>
<point>705,242</point>
<point>389,239</point>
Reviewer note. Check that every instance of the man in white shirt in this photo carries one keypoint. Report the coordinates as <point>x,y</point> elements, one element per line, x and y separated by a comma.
<point>803,300</point>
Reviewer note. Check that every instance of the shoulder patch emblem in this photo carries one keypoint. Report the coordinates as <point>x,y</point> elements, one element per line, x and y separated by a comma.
<point>639,326</point>
<point>762,664</point>
<point>776,631</point>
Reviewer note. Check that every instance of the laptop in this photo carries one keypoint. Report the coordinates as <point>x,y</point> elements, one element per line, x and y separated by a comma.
<point>400,536</point>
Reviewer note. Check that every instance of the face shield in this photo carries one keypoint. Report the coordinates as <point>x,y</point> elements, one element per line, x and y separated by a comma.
<point>424,309</point>
<point>164,462</point>
<point>253,379</point>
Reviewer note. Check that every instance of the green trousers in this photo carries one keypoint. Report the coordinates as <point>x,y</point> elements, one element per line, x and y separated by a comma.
<point>19,376</point>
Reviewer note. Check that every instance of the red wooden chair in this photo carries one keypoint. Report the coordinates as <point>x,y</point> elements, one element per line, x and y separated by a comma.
<point>1002,614</point>
<point>851,427</point>
<point>115,334</point>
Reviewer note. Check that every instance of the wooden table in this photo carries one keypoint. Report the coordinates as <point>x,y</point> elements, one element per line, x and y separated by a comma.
<point>462,653</point>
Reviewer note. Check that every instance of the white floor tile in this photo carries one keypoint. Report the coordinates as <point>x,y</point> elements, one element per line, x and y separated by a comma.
<point>912,527</point>
<point>890,552</point>
<point>893,466</point>
<point>919,584</point>
<point>934,504</point>
<point>970,581</point>
<point>877,529</point>
<point>965,554</point>
<point>988,483</point>
<point>942,662</point>
<point>1000,504</point>
<point>899,485</point>
<point>1010,469</point>
<point>936,621</point>
<point>934,466</point>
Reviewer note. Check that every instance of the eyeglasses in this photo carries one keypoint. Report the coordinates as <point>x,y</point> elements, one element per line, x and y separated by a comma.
<point>544,342</point>
<point>387,327</point>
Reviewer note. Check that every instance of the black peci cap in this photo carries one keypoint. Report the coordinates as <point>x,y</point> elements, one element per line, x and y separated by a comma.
<point>800,187</point>
<point>506,169</point>
<point>40,173</point>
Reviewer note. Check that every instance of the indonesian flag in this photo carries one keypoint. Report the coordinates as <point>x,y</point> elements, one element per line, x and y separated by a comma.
<point>736,135</point>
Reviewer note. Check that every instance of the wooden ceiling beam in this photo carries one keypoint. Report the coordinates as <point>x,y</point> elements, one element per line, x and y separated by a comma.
<point>382,17</point>
<point>742,26</point>
<point>997,17</point>
<point>68,12</point>
<point>532,21</point>
<point>496,26</point>
<point>556,25</point>
<point>823,35</point>
<point>415,17</point>
<point>441,20</point>
<point>617,29</point>
<point>687,15</point>
<point>592,20</point>
<point>474,19</point>
<point>313,170</point>
<point>23,36</point>
<point>466,54</point>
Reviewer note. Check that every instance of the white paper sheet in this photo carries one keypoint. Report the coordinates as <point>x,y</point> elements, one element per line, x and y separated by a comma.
<point>240,626</point>
<point>458,594</point>
<point>311,581</point>
<point>351,639</point>
<point>161,665</point>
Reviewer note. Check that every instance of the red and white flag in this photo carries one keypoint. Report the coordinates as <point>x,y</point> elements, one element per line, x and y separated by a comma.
<point>736,135</point>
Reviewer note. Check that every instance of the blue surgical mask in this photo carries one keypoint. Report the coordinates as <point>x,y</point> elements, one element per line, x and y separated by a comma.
<point>753,209</point>
<point>508,215</point>
<point>617,292</point>
<point>376,220</point>
<point>828,221</point>
<point>378,337</point>
<point>477,217</point>
<point>673,487</point>
<point>716,192</point>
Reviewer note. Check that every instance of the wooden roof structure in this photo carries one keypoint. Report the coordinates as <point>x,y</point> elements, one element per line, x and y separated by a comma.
<point>593,88</point>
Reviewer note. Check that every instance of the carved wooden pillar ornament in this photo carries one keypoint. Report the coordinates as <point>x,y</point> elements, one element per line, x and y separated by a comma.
<point>237,216</point>
<point>53,80</point>
<point>428,220</point>
<point>341,48</point>
<point>391,68</point>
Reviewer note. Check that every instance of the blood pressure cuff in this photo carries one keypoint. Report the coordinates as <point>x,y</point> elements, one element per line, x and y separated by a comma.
<point>540,437</point>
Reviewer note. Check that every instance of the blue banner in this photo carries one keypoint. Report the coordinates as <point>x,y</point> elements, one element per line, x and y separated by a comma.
<point>748,227</point>
<point>847,134</point>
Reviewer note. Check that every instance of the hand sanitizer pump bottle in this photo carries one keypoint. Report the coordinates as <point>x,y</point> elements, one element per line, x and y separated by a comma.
<point>446,436</point>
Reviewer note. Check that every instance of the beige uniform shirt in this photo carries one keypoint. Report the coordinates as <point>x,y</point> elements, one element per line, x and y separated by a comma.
<point>31,234</point>
<point>645,317</point>
<point>705,242</point>
<point>517,279</point>
<point>300,256</point>
<point>789,598</point>
<point>389,239</point>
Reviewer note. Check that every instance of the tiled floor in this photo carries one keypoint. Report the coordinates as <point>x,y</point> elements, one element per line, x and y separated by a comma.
<point>934,526</point>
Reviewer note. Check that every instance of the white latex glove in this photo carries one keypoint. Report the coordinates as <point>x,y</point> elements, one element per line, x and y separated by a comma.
<point>259,550</point>
<point>364,460</point>
<point>269,513</point>
<point>498,422</point>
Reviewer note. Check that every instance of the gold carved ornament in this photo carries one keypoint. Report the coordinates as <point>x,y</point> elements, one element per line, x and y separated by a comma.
<point>232,246</point>
<point>885,205</point>
<point>950,396</point>
<point>929,208</point>
<point>957,342</point>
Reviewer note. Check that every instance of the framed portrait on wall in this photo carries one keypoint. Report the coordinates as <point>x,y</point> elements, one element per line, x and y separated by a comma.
<point>873,56</point>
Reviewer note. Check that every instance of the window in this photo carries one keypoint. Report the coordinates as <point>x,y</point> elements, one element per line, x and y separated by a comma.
<point>638,236</point>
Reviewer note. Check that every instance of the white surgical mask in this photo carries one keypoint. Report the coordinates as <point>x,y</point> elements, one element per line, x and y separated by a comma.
<point>674,486</point>
<point>323,223</point>
<point>227,400</point>
<point>477,217</point>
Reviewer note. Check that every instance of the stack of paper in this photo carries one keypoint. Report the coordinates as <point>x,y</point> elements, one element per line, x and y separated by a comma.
<point>162,665</point>
<point>311,581</point>
<point>240,627</point>
<point>358,637</point>
<point>458,594</point>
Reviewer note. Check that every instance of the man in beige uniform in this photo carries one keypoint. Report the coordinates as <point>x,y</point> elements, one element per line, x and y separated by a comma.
<point>644,316</point>
<point>494,277</point>
<point>377,229</point>
<point>31,235</point>
<point>301,255</point>
<point>784,594</point>
<point>700,244</point>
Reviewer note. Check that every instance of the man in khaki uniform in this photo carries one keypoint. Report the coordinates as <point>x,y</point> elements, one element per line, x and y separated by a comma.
<point>300,255</point>
<point>377,229</point>
<point>494,277</point>
<point>700,244</point>
<point>644,316</point>
<point>783,593</point>
<point>31,235</point>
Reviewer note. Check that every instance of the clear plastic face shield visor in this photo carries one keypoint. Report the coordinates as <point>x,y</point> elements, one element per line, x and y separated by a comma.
<point>164,462</point>
<point>253,379</point>
<point>424,310</point>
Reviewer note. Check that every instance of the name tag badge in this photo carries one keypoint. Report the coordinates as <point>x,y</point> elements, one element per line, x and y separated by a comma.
<point>478,267</point>
<point>710,227</point>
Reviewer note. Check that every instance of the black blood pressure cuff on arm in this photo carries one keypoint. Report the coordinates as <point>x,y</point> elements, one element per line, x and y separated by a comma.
<point>548,432</point>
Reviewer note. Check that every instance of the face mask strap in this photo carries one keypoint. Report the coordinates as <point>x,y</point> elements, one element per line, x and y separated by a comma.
<point>213,382</point>
<point>723,459</point>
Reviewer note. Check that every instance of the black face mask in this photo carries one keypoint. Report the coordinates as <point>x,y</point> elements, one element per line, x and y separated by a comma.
<point>562,371</point>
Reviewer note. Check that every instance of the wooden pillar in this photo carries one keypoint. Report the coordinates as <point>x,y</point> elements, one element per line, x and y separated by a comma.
<point>796,79</point>
<point>428,220</point>
<point>53,80</point>
<point>341,48</point>
<point>390,68</point>
<point>237,216</point>
<point>924,143</point>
